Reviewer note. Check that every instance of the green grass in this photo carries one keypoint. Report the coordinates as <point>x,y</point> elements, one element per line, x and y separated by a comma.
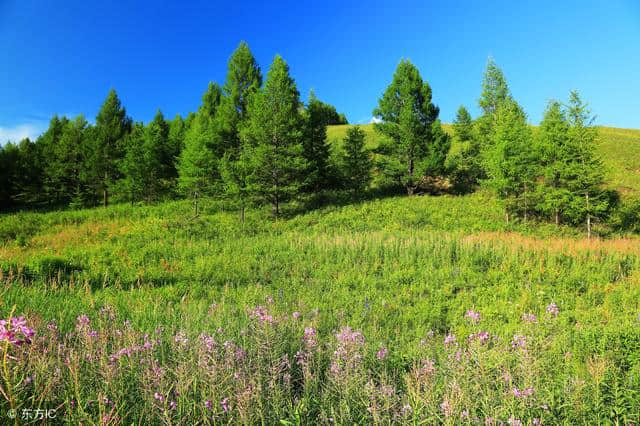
<point>397,269</point>
<point>618,148</point>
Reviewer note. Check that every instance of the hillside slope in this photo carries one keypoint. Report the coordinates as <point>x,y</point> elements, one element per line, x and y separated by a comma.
<point>618,148</point>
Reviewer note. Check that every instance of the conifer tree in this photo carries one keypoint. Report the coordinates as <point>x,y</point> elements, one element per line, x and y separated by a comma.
<point>197,163</point>
<point>463,160</point>
<point>316,146</point>
<point>244,79</point>
<point>553,135</point>
<point>512,162</point>
<point>356,161</point>
<point>495,94</point>
<point>583,170</point>
<point>135,165</point>
<point>273,138</point>
<point>407,116</point>
<point>112,125</point>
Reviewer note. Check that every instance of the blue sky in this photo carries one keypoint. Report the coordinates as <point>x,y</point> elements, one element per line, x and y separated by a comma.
<point>62,57</point>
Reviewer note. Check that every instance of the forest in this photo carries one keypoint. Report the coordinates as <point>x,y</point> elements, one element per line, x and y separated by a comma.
<point>253,141</point>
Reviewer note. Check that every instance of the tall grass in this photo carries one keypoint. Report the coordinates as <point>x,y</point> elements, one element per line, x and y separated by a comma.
<point>389,311</point>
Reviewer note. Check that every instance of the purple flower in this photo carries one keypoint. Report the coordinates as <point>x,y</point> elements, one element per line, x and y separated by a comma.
<point>519,341</point>
<point>522,393</point>
<point>552,309</point>
<point>208,404</point>
<point>173,405</point>
<point>529,317</point>
<point>347,335</point>
<point>295,315</point>
<point>472,315</point>
<point>225,405</point>
<point>382,353</point>
<point>450,339</point>
<point>309,337</point>
<point>514,422</point>
<point>261,314</point>
<point>92,333</point>
<point>82,321</point>
<point>52,326</point>
<point>158,397</point>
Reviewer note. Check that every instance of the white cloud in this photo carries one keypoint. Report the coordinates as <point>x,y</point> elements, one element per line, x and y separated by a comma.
<point>376,120</point>
<point>19,132</point>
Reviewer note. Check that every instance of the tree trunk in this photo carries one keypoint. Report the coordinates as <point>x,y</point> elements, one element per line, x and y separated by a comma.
<point>410,190</point>
<point>525,202</point>
<point>105,192</point>
<point>557,217</point>
<point>195,203</point>
<point>586,195</point>
<point>242,214</point>
<point>506,216</point>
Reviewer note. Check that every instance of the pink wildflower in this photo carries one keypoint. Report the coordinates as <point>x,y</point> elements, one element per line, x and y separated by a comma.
<point>552,309</point>
<point>382,353</point>
<point>225,405</point>
<point>472,315</point>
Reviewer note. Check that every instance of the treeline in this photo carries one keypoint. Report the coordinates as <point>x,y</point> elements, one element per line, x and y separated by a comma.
<point>550,173</point>
<point>248,141</point>
<point>254,141</point>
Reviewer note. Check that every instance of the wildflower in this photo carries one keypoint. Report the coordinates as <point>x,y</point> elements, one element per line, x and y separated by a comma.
<point>450,339</point>
<point>472,315</point>
<point>552,309</point>
<point>537,421</point>
<point>445,407</point>
<point>529,317</point>
<point>181,338</point>
<point>489,421</point>
<point>295,315</point>
<point>519,341</point>
<point>309,337</point>
<point>464,414</point>
<point>514,422</point>
<point>92,333</point>
<point>208,404</point>
<point>106,401</point>
<point>382,353</point>
<point>173,405</point>
<point>52,326</point>
<point>261,314</point>
<point>82,321</point>
<point>522,393</point>
<point>15,331</point>
<point>347,335</point>
<point>158,397</point>
<point>225,405</point>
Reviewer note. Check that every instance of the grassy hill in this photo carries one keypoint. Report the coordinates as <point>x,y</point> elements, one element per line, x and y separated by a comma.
<point>618,148</point>
<point>393,310</point>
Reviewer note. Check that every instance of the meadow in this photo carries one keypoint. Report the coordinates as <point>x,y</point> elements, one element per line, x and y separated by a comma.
<point>416,310</point>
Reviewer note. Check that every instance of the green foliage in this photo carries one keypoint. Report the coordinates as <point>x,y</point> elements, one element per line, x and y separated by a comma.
<point>316,148</point>
<point>512,163</point>
<point>197,163</point>
<point>356,161</point>
<point>464,162</point>
<point>407,118</point>
<point>112,125</point>
<point>273,138</point>
<point>403,271</point>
